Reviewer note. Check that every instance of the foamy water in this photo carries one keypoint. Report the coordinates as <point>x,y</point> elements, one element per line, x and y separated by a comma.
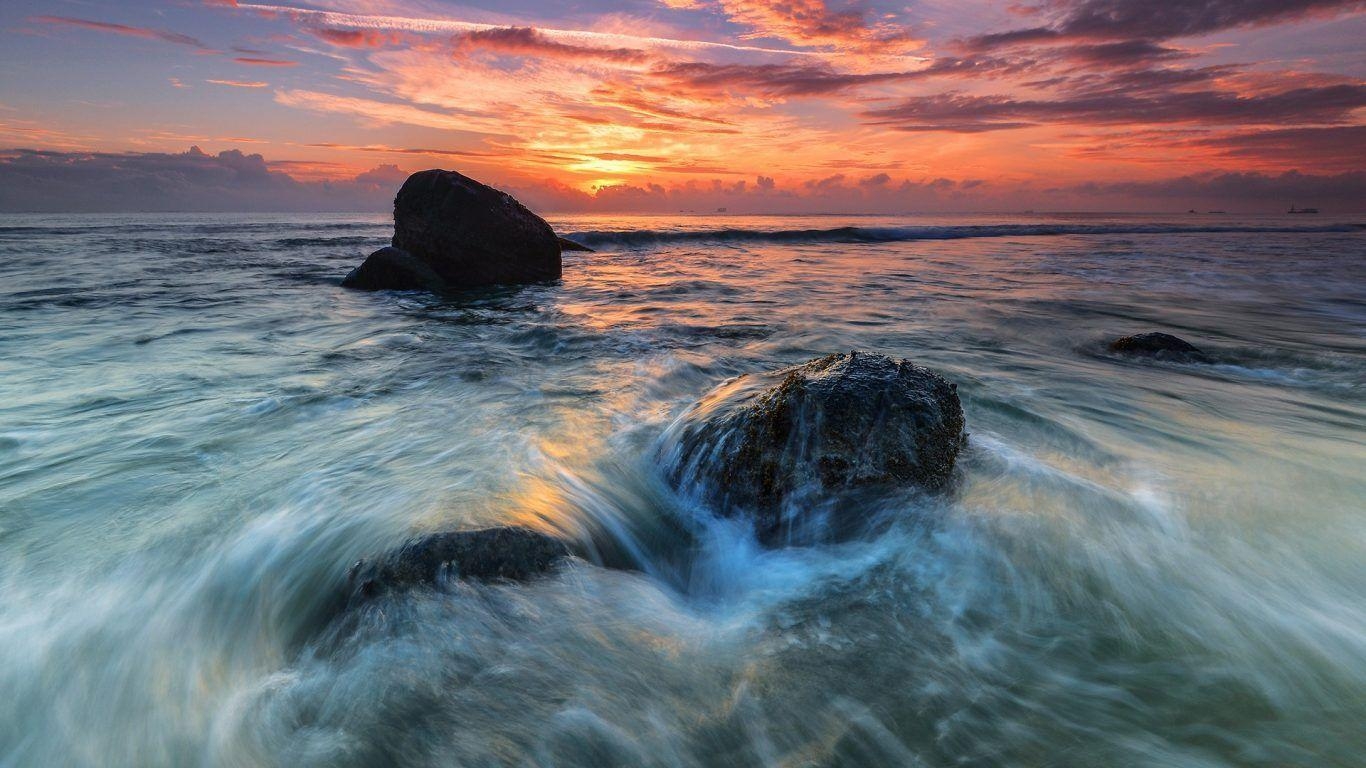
<point>1141,563</point>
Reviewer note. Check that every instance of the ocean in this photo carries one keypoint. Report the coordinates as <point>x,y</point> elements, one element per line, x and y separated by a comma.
<point>1140,563</point>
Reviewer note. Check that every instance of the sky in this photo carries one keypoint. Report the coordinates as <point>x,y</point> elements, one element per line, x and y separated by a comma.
<point>793,106</point>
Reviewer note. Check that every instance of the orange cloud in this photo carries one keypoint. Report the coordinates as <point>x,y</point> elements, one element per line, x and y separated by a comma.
<point>427,26</point>
<point>815,23</point>
<point>240,83</point>
<point>258,62</point>
<point>356,38</point>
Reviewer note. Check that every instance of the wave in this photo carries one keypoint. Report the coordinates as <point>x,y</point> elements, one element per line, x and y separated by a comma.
<point>305,242</point>
<point>648,237</point>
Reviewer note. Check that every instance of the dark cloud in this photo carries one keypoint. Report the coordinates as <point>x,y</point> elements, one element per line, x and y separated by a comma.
<point>1124,53</point>
<point>1344,191</point>
<point>526,41</point>
<point>33,180</point>
<point>812,80</point>
<point>258,62</point>
<point>1093,20</point>
<point>1339,147</point>
<point>1143,103</point>
<point>771,80</point>
<point>122,29</point>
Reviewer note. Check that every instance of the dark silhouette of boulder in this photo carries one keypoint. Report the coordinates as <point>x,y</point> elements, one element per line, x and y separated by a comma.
<point>569,245</point>
<point>392,268</point>
<point>509,553</point>
<point>1159,345</point>
<point>471,234</point>
<point>775,446</point>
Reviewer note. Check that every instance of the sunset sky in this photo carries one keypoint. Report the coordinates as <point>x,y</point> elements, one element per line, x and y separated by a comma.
<point>659,105</point>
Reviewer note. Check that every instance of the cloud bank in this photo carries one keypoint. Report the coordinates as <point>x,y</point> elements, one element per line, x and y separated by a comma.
<point>48,181</point>
<point>45,181</point>
<point>689,104</point>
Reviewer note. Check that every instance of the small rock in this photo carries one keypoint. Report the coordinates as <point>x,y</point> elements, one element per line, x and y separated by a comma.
<point>1159,345</point>
<point>508,553</point>
<point>775,445</point>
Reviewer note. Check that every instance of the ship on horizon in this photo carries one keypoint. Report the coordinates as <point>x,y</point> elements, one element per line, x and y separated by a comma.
<point>1293,209</point>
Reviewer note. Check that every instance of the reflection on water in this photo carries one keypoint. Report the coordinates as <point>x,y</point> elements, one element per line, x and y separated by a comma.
<point>1141,565</point>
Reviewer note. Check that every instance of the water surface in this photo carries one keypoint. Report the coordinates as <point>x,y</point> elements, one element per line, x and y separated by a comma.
<point>1141,564</point>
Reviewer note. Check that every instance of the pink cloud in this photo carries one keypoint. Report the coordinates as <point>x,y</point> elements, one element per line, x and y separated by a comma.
<point>526,41</point>
<point>121,29</point>
<point>356,38</point>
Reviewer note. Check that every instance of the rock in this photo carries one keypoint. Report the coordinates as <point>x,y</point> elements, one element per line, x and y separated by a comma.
<point>508,553</point>
<point>1159,345</point>
<point>392,268</point>
<point>775,446</point>
<point>569,245</point>
<point>471,234</point>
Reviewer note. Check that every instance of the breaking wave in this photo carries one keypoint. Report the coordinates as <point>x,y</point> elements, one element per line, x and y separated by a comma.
<point>649,237</point>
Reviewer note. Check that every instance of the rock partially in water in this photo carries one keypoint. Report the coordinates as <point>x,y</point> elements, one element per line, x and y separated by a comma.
<point>510,553</point>
<point>473,235</point>
<point>776,446</point>
<point>392,268</point>
<point>569,245</point>
<point>1159,345</point>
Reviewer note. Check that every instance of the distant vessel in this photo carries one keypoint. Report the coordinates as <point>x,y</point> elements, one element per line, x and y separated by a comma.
<point>1293,209</point>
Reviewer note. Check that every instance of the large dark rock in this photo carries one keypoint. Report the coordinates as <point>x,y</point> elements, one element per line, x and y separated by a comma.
<point>471,234</point>
<point>776,446</point>
<point>1159,345</point>
<point>392,268</point>
<point>510,553</point>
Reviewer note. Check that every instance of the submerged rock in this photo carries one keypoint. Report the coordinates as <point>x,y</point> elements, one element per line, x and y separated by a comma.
<point>392,268</point>
<point>569,245</point>
<point>1160,345</point>
<point>471,234</point>
<point>775,445</point>
<point>509,553</point>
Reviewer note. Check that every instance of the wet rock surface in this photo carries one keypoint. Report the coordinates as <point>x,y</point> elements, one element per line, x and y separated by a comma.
<point>472,234</point>
<point>490,554</point>
<point>772,446</point>
<point>451,233</point>
<point>1159,345</point>
<point>392,268</point>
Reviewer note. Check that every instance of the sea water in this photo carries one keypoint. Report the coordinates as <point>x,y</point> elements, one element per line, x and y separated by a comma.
<point>1140,562</point>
